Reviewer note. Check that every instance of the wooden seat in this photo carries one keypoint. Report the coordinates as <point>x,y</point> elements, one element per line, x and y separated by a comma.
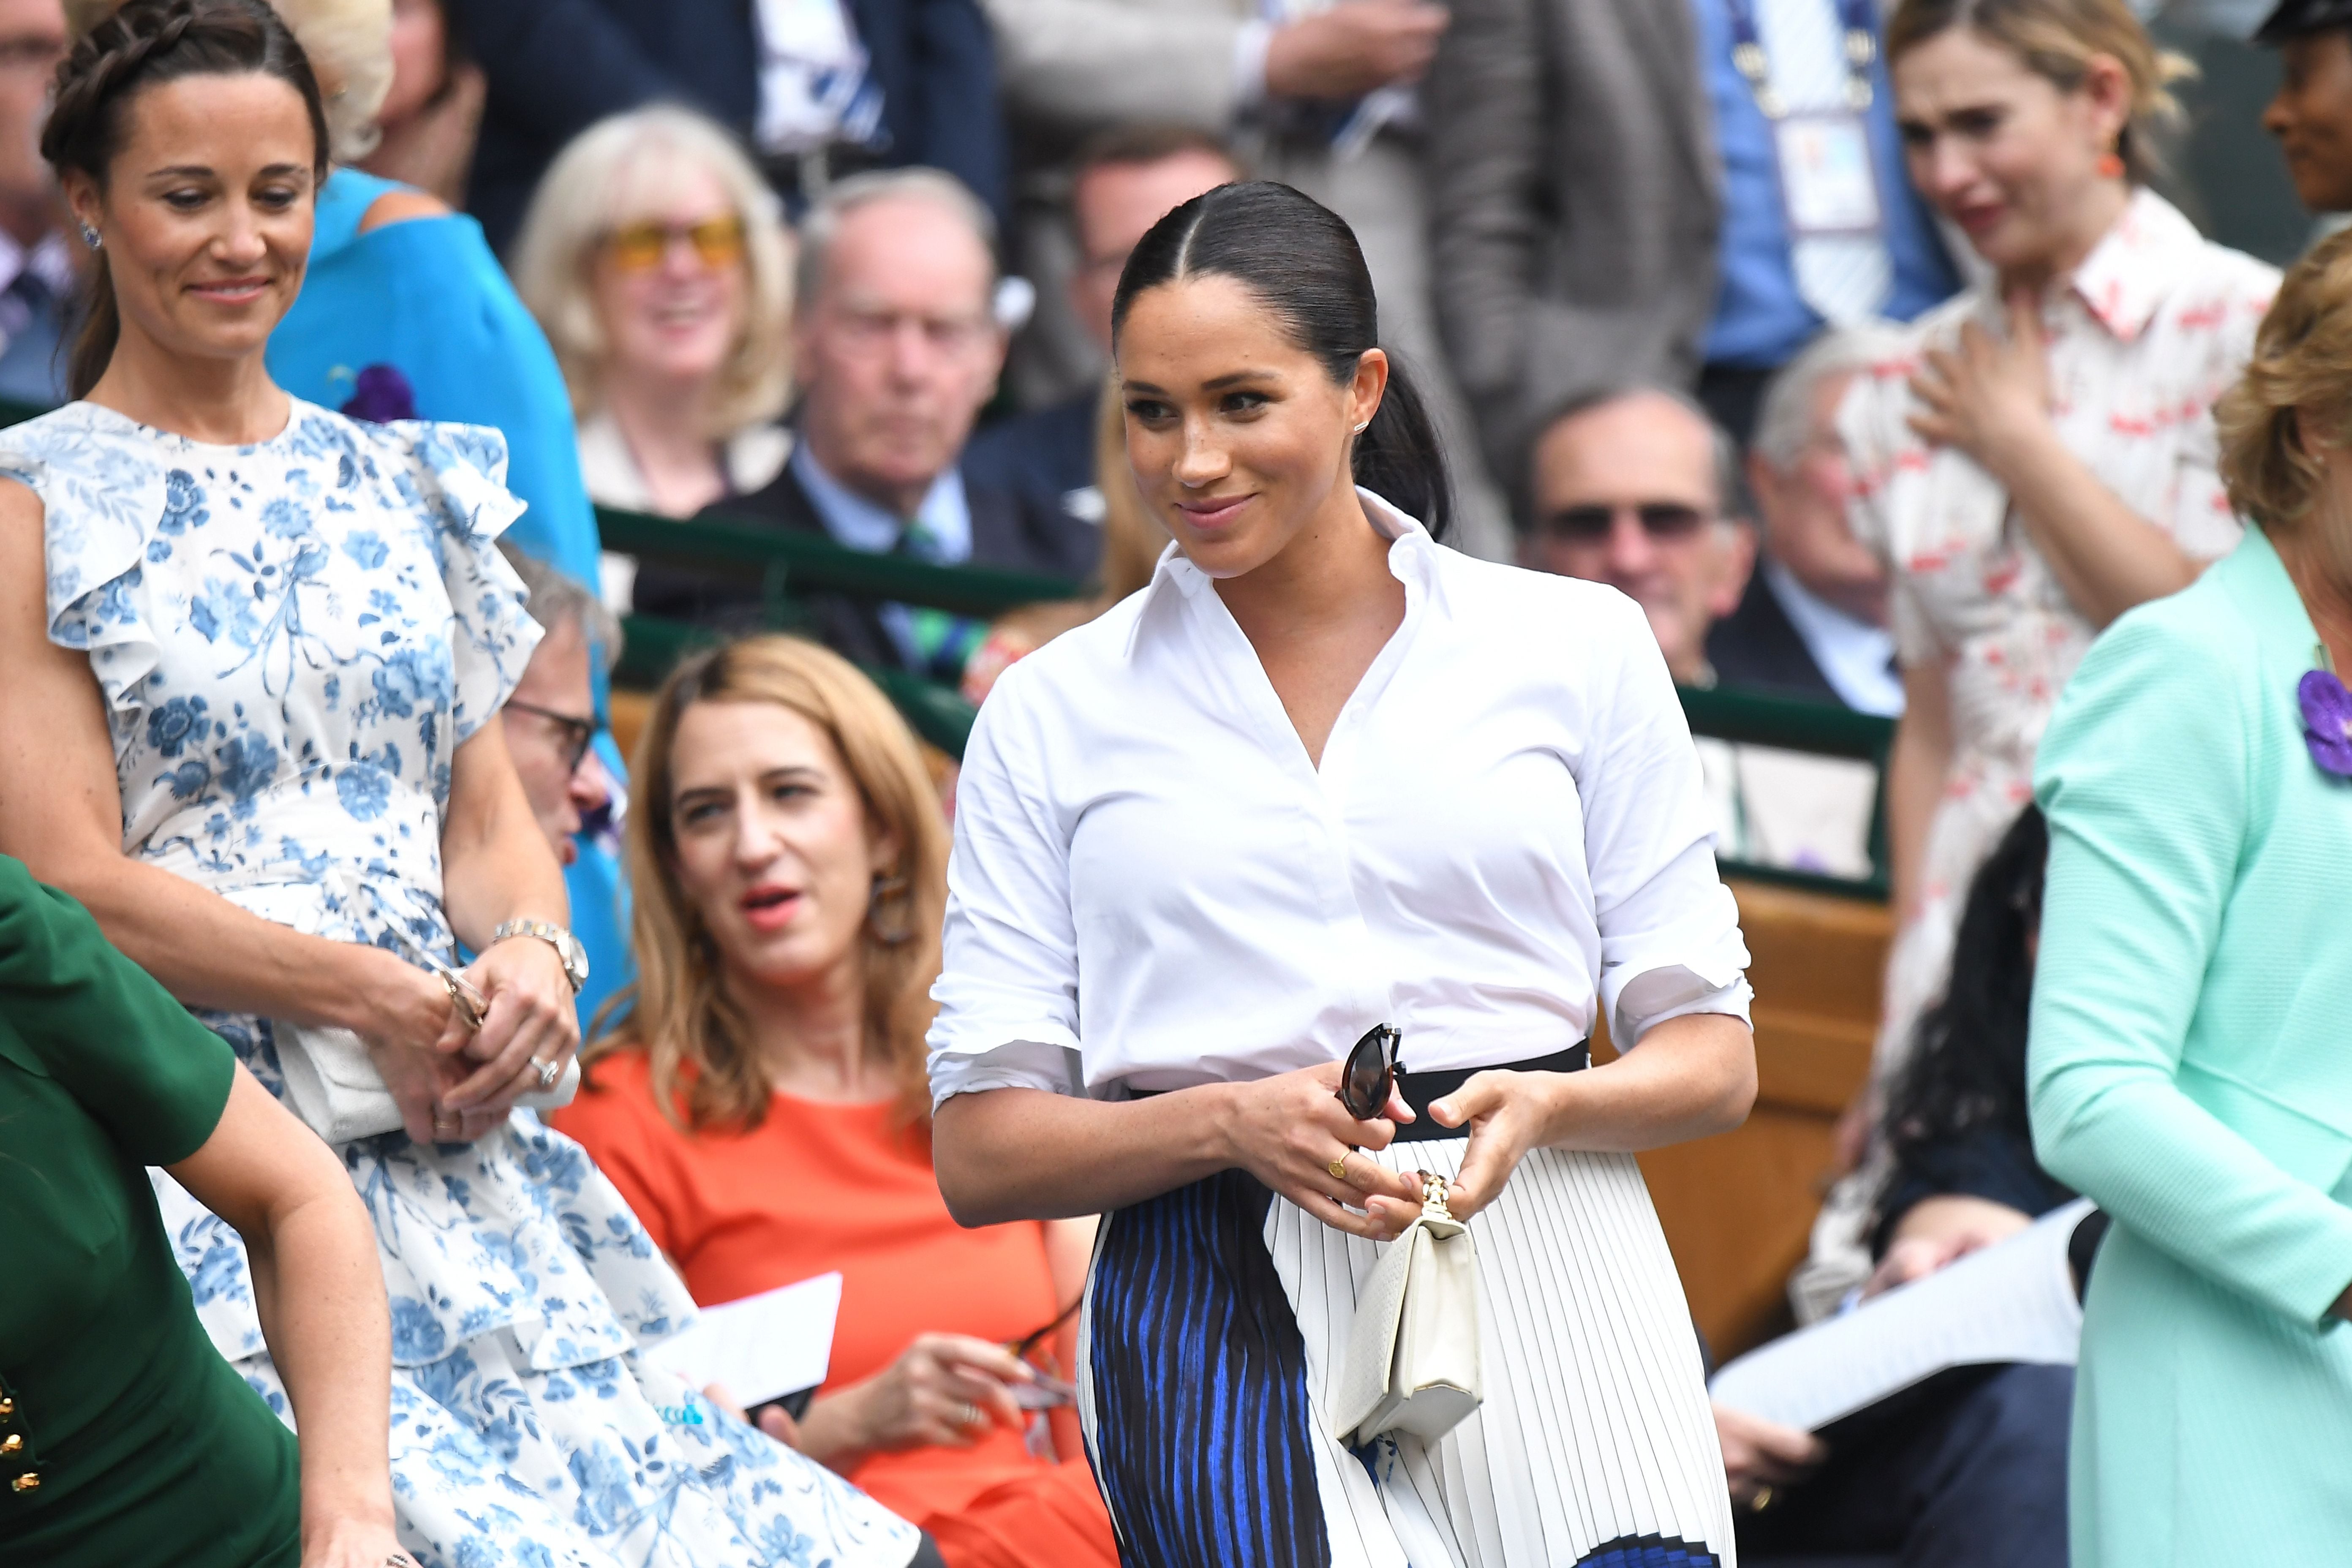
<point>1738,1209</point>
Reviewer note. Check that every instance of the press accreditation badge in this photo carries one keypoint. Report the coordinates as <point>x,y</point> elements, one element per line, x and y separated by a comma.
<point>1827,180</point>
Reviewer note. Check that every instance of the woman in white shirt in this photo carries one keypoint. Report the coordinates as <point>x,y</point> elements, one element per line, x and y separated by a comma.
<point>2038,456</point>
<point>1319,776</point>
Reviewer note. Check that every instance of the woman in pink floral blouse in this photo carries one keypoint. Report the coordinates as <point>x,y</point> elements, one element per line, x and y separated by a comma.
<point>2042,457</point>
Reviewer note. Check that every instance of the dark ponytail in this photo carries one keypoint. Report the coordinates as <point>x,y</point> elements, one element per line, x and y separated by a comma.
<point>1302,260</point>
<point>145,43</point>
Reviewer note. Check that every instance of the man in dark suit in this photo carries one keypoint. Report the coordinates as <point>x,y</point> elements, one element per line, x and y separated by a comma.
<point>1812,620</point>
<point>928,93</point>
<point>898,347</point>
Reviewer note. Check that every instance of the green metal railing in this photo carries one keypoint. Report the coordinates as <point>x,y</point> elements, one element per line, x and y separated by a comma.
<point>792,567</point>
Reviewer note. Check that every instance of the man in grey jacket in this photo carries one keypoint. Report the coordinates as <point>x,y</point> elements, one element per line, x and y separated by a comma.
<point>1315,94</point>
<point>1573,193</point>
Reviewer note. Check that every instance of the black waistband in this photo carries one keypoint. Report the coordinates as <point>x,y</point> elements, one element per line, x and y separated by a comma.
<point>1422,1089</point>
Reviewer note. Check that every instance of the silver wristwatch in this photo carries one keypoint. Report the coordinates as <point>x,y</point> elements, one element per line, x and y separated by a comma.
<point>567,947</point>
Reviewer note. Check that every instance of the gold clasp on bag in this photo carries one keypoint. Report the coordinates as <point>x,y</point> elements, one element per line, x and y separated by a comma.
<point>1434,1190</point>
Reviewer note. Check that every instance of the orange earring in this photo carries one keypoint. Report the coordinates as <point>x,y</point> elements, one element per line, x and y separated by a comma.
<point>2111,165</point>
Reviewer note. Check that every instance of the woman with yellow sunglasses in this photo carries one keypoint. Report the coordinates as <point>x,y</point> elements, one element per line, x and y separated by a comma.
<point>658,263</point>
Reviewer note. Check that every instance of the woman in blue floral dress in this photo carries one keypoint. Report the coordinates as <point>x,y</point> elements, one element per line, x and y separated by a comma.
<point>252,650</point>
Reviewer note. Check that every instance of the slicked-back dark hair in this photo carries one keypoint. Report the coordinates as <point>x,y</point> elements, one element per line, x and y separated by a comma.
<point>1302,260</point>
<point>143,45</point>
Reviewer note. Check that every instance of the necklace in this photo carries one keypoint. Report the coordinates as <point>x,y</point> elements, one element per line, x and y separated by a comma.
<point>1748,56</point>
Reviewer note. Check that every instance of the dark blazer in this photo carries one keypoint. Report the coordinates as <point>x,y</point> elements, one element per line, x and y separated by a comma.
<point>1006,531</point>
<point>1048,456</point>
<point>1573,207</point>
<point>557,67</point>
<point>1759,648</point>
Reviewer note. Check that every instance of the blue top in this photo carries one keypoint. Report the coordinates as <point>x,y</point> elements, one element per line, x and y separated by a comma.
<point>1760,319</point>
<point>425,297</point>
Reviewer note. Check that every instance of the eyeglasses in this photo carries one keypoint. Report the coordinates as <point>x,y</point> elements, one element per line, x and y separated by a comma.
<point>642,246</point>
<point>1592,523</point>
<point>578,734</point>
<point>1370,1072</point>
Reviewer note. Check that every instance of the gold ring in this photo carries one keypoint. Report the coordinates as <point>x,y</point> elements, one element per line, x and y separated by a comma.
<point>1761,1500</point>
<point>1338,1169</point>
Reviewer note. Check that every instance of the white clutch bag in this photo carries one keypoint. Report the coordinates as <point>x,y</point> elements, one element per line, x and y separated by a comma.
<point>1412,1361</point>
<point>332,1085</point>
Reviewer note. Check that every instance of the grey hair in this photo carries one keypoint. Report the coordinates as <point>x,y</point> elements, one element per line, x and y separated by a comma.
<point>1784,420</point>
<point>558,599</point>
<point>823,224</point>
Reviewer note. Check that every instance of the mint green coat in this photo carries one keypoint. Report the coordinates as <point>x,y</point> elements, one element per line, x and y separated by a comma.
<point>2191,1071</point>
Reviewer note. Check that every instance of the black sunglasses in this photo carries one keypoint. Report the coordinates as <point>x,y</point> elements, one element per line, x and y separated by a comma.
<point>1370,1072</point>
<point>578,734</point>
<point>1592,523</point>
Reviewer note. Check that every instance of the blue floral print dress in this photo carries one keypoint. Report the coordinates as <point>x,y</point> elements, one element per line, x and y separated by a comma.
<point>292,639</point>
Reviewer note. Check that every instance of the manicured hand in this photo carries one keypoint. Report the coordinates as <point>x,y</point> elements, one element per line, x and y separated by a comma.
<point>414,1038</point>
<point>943,1390</point>
<point>1987,397</point>
<point>1507,1113</point>
<point>532,1019</point>
<point>1757,1453</point>
<point>1288,1129</point>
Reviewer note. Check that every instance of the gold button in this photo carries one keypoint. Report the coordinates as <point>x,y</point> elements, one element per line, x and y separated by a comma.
<point>16,1440</point>
<point>26,1484</point>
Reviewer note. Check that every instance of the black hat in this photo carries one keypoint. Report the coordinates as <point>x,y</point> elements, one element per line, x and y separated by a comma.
<point>2294,18</point>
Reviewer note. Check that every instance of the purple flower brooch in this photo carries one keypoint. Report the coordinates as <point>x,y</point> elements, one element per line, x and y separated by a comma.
<point>2327,721</point>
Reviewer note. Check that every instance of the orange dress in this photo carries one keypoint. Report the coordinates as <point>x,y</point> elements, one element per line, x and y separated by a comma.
<point>818,1187</point>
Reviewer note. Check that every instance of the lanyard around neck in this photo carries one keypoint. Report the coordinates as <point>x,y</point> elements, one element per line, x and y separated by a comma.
<point>1748,58</point>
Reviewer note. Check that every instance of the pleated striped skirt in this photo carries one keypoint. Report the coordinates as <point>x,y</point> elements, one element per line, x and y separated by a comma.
<point>1215,1318</point>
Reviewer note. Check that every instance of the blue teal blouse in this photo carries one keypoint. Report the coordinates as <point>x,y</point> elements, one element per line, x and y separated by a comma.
<point>427,298</point>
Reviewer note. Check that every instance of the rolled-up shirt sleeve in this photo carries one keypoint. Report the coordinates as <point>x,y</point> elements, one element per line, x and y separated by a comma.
<point>1008,988</point>
<point>1670,941</point>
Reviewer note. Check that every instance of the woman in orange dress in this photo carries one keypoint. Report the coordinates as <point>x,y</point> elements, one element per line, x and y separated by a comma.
<point>764,1105</point>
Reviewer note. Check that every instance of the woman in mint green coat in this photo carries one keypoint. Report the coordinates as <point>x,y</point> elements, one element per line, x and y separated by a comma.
<point>2191,1057</point>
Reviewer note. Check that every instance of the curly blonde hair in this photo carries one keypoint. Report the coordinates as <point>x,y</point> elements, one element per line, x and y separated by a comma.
<point>677,1011</point>
<point>609,176</point>
<point>2295,393</point>
<point>2057,41</point>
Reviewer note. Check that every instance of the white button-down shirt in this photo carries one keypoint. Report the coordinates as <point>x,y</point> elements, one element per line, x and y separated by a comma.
<point>1154,887</point>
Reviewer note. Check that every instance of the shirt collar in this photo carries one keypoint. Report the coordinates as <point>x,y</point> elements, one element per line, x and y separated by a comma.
<point>2135,266</point>
<point>1413,558</point>
<point>854,521</point>
<point>1851,653</point>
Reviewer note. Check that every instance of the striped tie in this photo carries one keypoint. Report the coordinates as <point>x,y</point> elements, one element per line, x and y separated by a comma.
<point>1844,278</point>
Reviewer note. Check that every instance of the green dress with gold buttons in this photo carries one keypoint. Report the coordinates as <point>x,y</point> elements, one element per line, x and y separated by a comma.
<point>126,1439</point>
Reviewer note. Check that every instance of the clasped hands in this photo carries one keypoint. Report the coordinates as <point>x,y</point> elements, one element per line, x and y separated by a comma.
<point>1292,1133</point>
<point>452,1083</point>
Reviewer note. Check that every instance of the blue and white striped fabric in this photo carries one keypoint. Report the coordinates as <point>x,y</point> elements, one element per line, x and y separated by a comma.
<point>1216,1313</point>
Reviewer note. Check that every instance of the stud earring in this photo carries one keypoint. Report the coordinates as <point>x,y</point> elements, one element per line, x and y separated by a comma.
<point>89,237</point>
<point>1364,426</point>
<point>2111,162</point>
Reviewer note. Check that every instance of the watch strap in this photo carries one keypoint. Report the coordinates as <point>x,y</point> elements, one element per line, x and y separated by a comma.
<point>567,946</point>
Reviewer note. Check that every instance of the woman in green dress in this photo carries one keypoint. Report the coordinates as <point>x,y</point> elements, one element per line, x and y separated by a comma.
<point>2191,1050</point>
<point>125,1439</point>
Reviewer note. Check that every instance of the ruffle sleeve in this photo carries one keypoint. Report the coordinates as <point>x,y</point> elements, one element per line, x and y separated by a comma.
<point>103,507</point>
<point>457,474</point>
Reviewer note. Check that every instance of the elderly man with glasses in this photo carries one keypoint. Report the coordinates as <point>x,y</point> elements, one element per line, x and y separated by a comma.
<point>1641,490</point>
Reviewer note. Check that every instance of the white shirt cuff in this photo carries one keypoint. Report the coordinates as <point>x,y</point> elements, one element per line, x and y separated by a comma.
<point>1249,64</point>
<point>1020,1064</point>
<point>1649,1000</point>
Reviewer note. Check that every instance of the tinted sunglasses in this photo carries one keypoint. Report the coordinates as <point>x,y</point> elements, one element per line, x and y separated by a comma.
<point>640,246</point>
<point>1590,524</point>
<point>1370,1072</point>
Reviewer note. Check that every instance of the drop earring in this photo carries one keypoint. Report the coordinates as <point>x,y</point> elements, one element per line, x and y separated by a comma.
<point>89,237</point>
<point>2111,162</point>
